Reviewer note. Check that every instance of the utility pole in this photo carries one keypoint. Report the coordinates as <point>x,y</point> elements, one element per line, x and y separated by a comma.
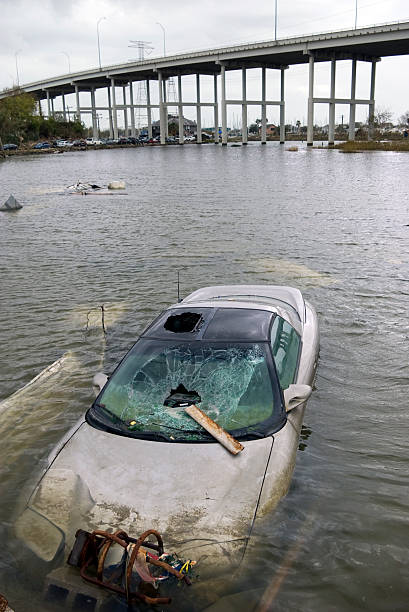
<point>275,19</point>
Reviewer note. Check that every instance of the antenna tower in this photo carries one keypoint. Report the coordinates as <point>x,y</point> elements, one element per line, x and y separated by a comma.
<point>141,116</point>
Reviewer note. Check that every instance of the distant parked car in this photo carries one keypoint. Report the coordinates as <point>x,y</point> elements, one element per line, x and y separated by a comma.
<point>93,141</point>
<point>10,147</point>
<point>42,145</point>
<point>63,143</point>
<point>79,143</point>
<point>133,140</point>
<point>125,140</point>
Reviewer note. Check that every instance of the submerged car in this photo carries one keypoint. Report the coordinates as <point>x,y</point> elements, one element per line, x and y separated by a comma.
<point>247,356</point>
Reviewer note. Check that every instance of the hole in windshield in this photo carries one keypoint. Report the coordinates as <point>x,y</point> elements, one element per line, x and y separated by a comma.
<point>182,323</point>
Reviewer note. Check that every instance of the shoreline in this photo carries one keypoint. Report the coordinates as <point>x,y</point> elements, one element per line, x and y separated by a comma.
<point>355,146</point>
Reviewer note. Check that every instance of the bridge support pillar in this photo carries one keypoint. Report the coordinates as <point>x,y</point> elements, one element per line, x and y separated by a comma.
<point>216,111</point>
<point>125,111</point>
<point>161,109</point>
<point>310,118</point>
<point>95,134</point>
<point>331,113</point>
<point>111,125</point>
<point>165,106</point>
<point>224,107</point>
<point>64,110</point>
<point>180,112</point>
<point>148,108</point>
<point>282,109</point>
<point>77,102</point>
<point>114,113</point>
<point>263,107</point>
<point>48,104</point>
<point>198,112</point>
<point>133,131</point>
<point>52,107</point>
<point>244,138</point>
<point>372,103</point>
<point>352,106</point>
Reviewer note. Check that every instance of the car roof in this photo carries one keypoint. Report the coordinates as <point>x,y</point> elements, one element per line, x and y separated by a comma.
<point>212,323</point>
<point>288,302</point>
<point>230,312</point>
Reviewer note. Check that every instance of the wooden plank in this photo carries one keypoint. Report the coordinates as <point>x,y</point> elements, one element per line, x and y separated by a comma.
<point>214,429</point>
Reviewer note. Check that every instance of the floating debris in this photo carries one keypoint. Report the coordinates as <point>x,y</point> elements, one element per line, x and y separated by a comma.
<point>79,187</point>
<point>116,185</point>
<point>292,149</point>
<point>11,204</point>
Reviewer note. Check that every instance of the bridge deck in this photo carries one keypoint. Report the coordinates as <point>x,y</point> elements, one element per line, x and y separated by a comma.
<point>364,44</point>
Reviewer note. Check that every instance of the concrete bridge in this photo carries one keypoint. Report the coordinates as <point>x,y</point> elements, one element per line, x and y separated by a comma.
<point>366,45</point>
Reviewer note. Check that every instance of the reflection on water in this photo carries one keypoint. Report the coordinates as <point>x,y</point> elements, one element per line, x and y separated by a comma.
<point>331,224</point>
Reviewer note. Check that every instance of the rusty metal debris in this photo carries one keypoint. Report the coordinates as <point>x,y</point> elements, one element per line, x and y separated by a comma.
<point>4,605</point>
<point>90,552</point>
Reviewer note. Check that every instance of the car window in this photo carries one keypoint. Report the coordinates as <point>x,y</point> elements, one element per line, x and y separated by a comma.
<point>285,345</point>
<point>229,381</point>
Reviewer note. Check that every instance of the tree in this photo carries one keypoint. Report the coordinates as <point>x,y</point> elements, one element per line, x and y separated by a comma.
<point>16,112</point>
<point>404,119</point>
<point>382,116</point>
<point>19,121</point>
<point>173,128</point>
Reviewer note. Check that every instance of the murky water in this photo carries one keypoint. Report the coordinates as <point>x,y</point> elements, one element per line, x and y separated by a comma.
<point>332,224</point>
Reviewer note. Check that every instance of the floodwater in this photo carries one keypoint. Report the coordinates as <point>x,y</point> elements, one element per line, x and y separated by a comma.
<point>335,225</point>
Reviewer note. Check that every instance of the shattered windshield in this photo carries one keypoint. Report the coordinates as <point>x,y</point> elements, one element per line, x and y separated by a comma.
<point>230,382</point>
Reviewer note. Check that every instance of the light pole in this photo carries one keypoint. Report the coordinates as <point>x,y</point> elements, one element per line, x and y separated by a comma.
<point>68,58</point>
<point>15,55</point>
<point>164,37</point>
<point>99,48</point>
<point>356,12</point>
<point>275,20</point>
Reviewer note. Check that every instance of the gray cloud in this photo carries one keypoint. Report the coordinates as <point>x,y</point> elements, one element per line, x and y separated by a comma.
<point>40,31</point>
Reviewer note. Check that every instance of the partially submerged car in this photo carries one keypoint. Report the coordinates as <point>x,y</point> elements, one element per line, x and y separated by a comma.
<point>247,356</point>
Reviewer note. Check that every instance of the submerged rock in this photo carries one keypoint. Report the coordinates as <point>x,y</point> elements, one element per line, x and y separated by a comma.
<point>11,204</point>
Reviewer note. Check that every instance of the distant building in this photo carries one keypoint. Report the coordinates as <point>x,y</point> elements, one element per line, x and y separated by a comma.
<point>189,126</point>
<point>272,130</point>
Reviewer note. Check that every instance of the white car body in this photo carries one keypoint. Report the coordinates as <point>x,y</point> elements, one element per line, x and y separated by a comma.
<point>203,500</point>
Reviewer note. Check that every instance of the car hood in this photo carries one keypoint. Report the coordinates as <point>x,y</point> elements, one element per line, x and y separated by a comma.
<point>190,493</point>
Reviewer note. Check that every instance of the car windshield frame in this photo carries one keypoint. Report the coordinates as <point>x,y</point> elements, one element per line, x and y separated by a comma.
<point>100,417</point>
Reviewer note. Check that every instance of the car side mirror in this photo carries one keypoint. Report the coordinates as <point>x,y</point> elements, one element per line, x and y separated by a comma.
<point>295,395</point>
<point>98,382</point>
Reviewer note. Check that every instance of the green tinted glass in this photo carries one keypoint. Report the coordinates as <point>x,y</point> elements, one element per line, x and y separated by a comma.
<point>285,344</point>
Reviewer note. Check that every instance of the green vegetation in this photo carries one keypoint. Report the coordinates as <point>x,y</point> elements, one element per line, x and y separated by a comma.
<point>352,146</point>
<point>20,122</point>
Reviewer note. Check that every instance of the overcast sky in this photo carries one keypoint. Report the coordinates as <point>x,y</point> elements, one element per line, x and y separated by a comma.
<point>40,35</point>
